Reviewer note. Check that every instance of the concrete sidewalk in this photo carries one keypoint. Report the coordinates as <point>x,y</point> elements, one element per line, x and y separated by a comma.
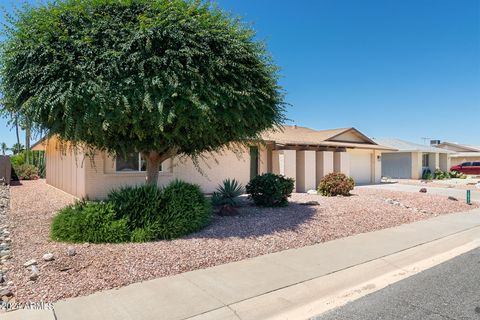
<point>273,285</point>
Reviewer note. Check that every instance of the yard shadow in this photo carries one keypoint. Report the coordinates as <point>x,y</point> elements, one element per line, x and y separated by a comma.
<point>15,183</point>
<point>256,222</point>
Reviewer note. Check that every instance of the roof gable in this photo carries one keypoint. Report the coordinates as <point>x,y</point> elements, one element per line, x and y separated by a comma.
<point>351,135</point>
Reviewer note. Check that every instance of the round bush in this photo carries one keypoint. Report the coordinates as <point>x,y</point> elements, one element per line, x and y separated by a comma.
<point>270,190</point>
<point>185,209</point>
<point>93,222</point>
<point>27,172</point>
<point>336,184</point>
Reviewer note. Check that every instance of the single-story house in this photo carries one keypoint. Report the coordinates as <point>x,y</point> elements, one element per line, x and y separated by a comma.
<point>412,159</point>
<point>301,153</point>
<point>461,153</point>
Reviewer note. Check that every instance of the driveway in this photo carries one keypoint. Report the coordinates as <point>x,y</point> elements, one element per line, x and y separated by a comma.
<point>457,193</point>
<point>447,291</point>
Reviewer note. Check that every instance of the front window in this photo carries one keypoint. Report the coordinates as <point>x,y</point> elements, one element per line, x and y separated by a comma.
<point>466,164</point>
<point>476,164</point>
<point>425,160</point>
<point>131,162</point>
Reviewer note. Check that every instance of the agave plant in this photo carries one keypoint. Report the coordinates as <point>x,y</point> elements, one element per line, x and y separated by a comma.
<point>228,193</point>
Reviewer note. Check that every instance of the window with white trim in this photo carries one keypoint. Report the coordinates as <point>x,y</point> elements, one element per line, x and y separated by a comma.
<point>132,162</point>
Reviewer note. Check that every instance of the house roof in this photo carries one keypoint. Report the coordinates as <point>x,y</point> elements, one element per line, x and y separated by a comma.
<point>460,147</point>
<point>343,137</point>
<point>407,146</point>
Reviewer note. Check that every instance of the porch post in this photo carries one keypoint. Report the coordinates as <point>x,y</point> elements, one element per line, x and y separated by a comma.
<point>324,165</point>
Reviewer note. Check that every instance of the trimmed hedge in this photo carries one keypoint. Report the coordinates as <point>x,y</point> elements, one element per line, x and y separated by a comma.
<point>270,190</point>
<point>138,214</point>
<point>336,184</point>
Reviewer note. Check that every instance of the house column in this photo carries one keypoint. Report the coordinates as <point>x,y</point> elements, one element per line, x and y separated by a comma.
<point>445,162</point>
<point>306,167</point>
<point>433,161</point>
<point>376,167</point>
<point>275,162</point>
<point>417,168</point>
<point>342,163</point>
<point>290,165</point>
<point>324,164</point>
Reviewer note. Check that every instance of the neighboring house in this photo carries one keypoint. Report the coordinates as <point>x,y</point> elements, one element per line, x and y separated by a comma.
<point>411,159</point>
<point>461,153</point>
<point>301,153</point>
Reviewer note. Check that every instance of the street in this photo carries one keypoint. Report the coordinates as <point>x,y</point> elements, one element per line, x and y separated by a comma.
<point>447,291</point>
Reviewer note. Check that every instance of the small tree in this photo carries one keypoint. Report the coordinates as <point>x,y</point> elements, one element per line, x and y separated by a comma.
<point>4,147</point>
<point>162,77</point>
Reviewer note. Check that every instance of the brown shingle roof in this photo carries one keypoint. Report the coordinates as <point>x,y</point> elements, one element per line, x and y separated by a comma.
<point>296,135</point>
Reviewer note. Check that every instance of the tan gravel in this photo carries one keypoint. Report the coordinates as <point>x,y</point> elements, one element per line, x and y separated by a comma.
<point>254,232</point>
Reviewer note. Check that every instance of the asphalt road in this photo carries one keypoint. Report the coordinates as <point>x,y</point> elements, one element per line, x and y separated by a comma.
<point>450,290</point>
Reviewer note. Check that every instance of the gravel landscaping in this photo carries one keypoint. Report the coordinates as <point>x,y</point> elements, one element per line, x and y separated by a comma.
<point>68,270</point>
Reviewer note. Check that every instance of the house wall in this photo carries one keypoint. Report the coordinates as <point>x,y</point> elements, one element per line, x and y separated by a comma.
<point>445,163</point>
<point>65,169</point>
<point>455,161</point>
<point>101,176</point>
<point>397,165</point>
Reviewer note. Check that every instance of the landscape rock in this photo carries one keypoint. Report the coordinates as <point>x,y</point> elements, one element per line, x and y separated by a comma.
<point>310,203</point>
<point>228,211</point>
<point>71,251</point>
<point>312,192</point>
<point>5,292</point>
<point>452,198</point>
<point>48,257</point>
<point>29,263</point>
<point>423,190</point>
<point>35,273</point>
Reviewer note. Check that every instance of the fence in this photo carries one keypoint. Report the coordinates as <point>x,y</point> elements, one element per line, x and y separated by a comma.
<point>5,169</point>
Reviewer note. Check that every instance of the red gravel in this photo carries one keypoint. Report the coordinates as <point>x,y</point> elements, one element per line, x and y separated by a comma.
<point>254,232</point>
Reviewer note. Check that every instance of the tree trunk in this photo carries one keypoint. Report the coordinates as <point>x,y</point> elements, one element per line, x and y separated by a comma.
<point>18,135</point>
<point>153,160</point>
<point>27,145</point>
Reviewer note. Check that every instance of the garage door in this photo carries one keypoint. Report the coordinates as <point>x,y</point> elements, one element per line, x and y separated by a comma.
<point>361,166</point>
<point>397,165</point>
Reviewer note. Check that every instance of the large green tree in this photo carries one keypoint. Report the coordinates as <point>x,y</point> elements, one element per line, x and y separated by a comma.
<point>162,77</point>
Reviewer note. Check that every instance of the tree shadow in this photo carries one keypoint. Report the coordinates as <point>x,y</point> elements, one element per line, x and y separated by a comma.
<point>256,222</point>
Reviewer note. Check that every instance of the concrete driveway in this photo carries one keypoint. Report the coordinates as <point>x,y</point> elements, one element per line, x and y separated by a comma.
<point>457,193</point>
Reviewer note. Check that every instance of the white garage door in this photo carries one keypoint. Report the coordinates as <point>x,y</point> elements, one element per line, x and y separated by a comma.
<point>361,166</point>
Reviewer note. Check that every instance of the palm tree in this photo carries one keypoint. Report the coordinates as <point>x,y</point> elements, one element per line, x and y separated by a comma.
<point>3,147</point>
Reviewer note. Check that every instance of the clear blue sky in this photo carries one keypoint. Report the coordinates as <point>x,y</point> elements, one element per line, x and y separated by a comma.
<point>391,68</point>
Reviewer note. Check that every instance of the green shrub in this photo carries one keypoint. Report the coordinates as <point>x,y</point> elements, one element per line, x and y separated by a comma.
<point>139,214</point>
<point>227,193</point>
<point>457,175</point>
<point>270,190</point>
<point>141,205</point>
<point>17,160</point>
<point>336,184</point>
<point>185,209</point>
<point>427,174</point>
<point>27,172</point>
<point>93,222</point>
<point>441,175</point>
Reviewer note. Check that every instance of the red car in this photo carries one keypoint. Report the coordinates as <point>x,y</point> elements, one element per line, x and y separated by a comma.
<point>467,168</point>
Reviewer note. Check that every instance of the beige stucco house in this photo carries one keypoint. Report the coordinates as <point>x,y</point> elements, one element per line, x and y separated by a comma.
<point>412,159</point>
<point>460,153</point>
<point>301,153</point>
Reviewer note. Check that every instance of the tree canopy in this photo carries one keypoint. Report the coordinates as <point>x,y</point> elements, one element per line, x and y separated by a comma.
<point>161,77</point>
